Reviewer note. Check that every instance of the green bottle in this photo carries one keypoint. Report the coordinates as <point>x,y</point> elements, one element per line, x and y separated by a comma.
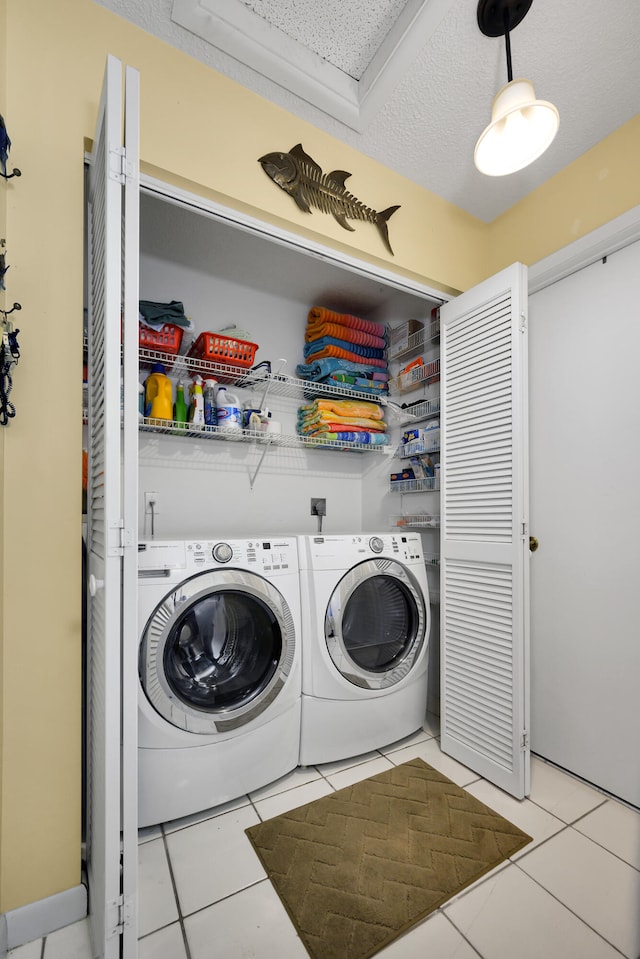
<point>180,407</point>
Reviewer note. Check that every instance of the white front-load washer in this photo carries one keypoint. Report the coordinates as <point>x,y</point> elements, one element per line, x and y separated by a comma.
<point>365,640</point>
<point>220,671</point>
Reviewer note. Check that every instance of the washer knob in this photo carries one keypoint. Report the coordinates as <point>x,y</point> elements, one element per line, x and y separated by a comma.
<point>375,544</point>
<point>222,552</point>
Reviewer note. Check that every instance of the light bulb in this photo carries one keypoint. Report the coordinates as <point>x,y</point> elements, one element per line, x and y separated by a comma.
<point>520,131</point>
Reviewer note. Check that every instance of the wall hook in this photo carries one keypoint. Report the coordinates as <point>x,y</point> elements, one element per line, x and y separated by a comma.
<point>5,146</point>
<point>5,313</point>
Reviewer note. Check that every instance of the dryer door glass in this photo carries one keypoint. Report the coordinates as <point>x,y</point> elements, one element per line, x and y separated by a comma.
<point>376,624</point>
<point>222,651</point>
<point>379,623</point>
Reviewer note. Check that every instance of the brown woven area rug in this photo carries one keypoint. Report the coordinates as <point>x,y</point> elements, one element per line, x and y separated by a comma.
<point>357,868</point>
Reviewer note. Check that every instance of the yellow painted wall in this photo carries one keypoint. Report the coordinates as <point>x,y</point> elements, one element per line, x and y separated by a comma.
<point>600,185</point>
<point>54,55</point>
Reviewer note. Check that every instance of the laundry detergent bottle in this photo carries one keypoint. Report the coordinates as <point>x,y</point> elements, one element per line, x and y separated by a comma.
<point>229,413</point>
<point>158,403</point>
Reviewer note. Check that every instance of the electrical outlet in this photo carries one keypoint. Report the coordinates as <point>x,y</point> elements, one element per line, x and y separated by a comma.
<point>318,507</point>
<point>149,500</point>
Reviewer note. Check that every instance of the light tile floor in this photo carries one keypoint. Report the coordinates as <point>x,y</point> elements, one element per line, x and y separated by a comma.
<point>573,892</point>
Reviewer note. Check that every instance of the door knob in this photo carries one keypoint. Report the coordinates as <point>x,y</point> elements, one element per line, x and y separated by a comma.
<point>95,584</point>
<point>533,543</point>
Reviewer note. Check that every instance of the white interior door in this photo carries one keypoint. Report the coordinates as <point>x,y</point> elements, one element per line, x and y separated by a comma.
<point>484,624</point>
<point>111,542</point>
<point>585,462</point>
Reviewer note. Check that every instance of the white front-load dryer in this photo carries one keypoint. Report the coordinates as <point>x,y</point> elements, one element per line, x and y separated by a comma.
<point>365,638</point>
<point>220,671</point>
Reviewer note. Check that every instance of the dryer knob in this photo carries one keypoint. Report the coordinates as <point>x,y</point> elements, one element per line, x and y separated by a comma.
<point>375,544</point>
<point>222,552</point>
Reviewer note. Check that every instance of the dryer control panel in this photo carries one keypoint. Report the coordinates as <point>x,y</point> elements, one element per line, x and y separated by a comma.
<point>343,551</point>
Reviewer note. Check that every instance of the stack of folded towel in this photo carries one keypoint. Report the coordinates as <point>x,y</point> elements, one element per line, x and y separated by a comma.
<point>345,350</point>
<point>348,421</point>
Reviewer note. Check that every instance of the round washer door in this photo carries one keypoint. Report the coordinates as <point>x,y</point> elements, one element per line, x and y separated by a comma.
<point>376,624</point>
<point>217,651</point>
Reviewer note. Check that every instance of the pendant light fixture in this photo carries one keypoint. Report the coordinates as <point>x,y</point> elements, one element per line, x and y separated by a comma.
<point>521,127</point>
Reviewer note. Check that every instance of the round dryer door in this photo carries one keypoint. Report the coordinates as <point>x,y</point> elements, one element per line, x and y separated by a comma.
<point>217,651</point>
<point>376,624</point>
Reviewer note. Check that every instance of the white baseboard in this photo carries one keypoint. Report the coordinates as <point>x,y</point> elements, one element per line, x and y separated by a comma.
<point>38,919</point>
<point>4,947</point>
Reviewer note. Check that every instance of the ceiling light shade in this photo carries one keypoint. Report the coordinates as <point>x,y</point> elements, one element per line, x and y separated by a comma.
<point>521,127</point>
<point>520,131</point>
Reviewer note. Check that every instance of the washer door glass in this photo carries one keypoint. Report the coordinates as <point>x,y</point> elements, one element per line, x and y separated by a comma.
<point>222,651</point>
<point>376,624</point>
<point>217,651</point>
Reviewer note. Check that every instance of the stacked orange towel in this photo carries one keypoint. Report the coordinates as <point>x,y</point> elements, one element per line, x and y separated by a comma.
<point>319,314</point>
<point>346,338</point>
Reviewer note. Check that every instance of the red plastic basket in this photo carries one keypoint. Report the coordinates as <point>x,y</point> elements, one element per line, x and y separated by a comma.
<point>166,340</point>
<point>215,348</point>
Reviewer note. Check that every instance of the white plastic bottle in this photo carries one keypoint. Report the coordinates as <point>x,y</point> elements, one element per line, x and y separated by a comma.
<point>229,413</point>
<point>196,410</point>
<point>210,410</point>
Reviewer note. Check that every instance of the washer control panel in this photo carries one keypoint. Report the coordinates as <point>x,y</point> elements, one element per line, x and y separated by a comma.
<point>269,555</point>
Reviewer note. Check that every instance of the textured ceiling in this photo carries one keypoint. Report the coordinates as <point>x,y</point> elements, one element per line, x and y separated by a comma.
<point>580,54</point>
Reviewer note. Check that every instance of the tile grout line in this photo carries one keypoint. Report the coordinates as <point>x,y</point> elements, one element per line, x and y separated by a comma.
<point>462,935</point>
<point>586,782</point>
<point>566,906</point>
<point>175,894</point>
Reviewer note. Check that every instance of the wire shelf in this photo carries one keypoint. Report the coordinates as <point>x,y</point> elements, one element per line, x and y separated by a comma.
<point>416,341</point>
<point>419,375</point>
<point>261,439</point>
<point>422,485</point>
<point>416,447</point>
<point>421,411</point>
<point>280,384</point>
<point>416,520</point>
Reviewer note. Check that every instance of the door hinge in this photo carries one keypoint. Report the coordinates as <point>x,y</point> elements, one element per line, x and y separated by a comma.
<point>523,322</point>
<point>524,740</point>
<point>117,164</point>
<point>120,538</point>
<point>126,538</point>
<point>120,915</point>
<point>120,167</point>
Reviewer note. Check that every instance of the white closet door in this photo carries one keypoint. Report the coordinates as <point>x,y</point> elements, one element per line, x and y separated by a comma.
<point>129,631</point>
<point>484,531</point>
<point>109,753</point>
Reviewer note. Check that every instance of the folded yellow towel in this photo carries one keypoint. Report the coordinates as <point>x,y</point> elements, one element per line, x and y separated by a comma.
<point>347,408</point>
<point>326,416</point>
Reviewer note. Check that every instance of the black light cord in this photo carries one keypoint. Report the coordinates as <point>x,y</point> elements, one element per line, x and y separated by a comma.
<point>507,43</point>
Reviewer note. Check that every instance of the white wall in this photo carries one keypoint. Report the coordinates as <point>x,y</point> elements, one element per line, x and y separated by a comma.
<point>224,275</point>
<point>585,462</point>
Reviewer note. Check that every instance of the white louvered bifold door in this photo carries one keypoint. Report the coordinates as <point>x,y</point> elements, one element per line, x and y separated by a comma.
<point>111,860</point>
<point>484,531</point>
<point>129,631</point>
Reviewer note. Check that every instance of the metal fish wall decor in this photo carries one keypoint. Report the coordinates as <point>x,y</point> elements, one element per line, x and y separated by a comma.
<point>301,177</point>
